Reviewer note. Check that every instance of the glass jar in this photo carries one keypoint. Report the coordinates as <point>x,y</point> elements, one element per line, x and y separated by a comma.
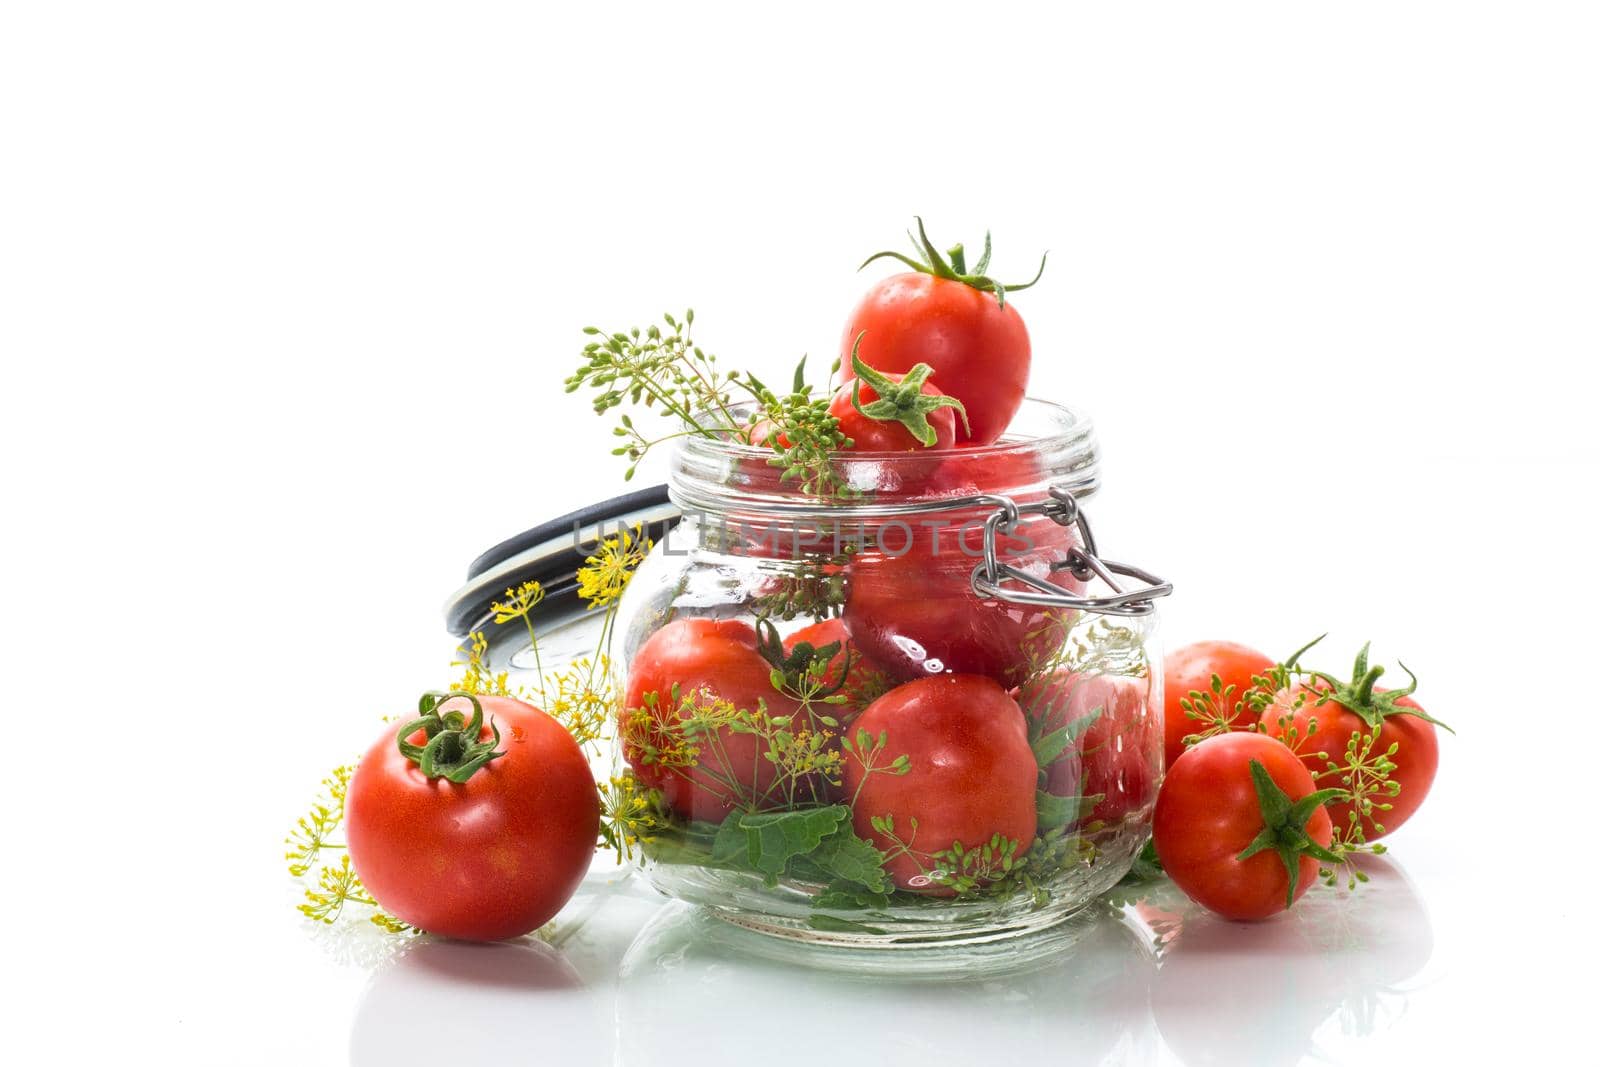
<point>883,706</point>
<point>553,646</point>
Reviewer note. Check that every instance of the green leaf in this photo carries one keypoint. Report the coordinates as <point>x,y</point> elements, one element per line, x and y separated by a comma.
<point>731,846</point>
<point>1049,747</point>
<point>848,896</point>
<point>770,839</point>
<point>665,849</point>
<point>845,856</point>
<point>1057,811</point>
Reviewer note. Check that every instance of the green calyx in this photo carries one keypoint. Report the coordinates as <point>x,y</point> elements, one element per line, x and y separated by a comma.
<point>955,267</point>
<point>1360,695</point>
<point>1285,829</point>
<point>794,668</point>
<point>453,751</point>
<point>903,401</point>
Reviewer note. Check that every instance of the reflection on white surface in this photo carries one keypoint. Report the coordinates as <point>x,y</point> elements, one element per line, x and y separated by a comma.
<point>543,1000</point>
<point>1290,989</point>
<point>450,1002</point>
<point>690,975</point>
<point>625,978</point>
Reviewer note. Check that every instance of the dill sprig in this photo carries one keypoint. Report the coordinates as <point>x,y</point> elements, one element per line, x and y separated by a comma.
<point>661,369</point>
<point>328,886</point>
<point>631,816</point>
<point>803,435</point>
<point>664,370</point>
<point>337,885</point>
<point>1361,775</point>
<point>685,735</point>
<point>315,830</point>
<point>606,573</point>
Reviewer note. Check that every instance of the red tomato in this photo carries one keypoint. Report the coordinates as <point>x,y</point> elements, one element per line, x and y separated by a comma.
<point>1346,710</point>
<point>1210,811</point>
<point>971,775</point>
<point>864,681</point>
<point>1191,668</point>
<point>491,857</point>
<point>979,351</point>
<point>709,660</point>
<point>1117,758</point>
<point>956,323</point>
<point>916,613</point>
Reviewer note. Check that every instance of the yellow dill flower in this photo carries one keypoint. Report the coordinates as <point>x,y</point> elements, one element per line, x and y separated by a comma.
<point>656,734</point>
<point>476,676</point>
<point>519,601</point>
<point>629,816</point>
<point>585,696</point>
<point>316,830</point>
<point>605,574</point>
<point>337,885</point>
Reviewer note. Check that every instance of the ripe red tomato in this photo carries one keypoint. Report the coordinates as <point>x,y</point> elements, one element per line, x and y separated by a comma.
<point>1118,756</point>
<point>1211,813</point>
<point>979,351</point>
<point>1191,668</point>
<point>493,856</point>
<point>956,323</point>
<point>971,775</point>
<point>710,660</point>
<point>1354,709</point>
<point>916,613</point>
<point>864,680</point>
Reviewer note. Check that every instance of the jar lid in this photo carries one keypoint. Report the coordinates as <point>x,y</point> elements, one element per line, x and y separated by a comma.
<point>550,554</point>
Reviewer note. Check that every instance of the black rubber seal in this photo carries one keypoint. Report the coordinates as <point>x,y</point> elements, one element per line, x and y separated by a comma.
<point>604,511</point>
<point>556,571</point>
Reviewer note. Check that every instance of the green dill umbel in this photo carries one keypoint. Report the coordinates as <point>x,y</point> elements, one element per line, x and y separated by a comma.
<point>662,369</point>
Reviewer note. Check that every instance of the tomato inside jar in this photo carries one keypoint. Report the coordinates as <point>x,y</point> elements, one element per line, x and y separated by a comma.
<point>898,702</point>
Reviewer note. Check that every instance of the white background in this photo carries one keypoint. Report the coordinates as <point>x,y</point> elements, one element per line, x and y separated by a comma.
<point>287,292</point>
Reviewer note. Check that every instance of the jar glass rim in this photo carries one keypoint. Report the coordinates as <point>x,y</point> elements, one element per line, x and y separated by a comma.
<point>1047,444</point>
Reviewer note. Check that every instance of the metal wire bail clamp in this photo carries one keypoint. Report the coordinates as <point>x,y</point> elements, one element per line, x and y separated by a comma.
<point>1083,562</point>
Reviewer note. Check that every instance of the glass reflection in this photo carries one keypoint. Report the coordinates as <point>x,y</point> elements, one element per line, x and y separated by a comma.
<point>1277,992</point>
<point>453,1002</point>
<point>695,987</point>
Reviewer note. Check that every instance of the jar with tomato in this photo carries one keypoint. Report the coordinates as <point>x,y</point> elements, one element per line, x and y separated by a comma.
<point>898,701</point>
